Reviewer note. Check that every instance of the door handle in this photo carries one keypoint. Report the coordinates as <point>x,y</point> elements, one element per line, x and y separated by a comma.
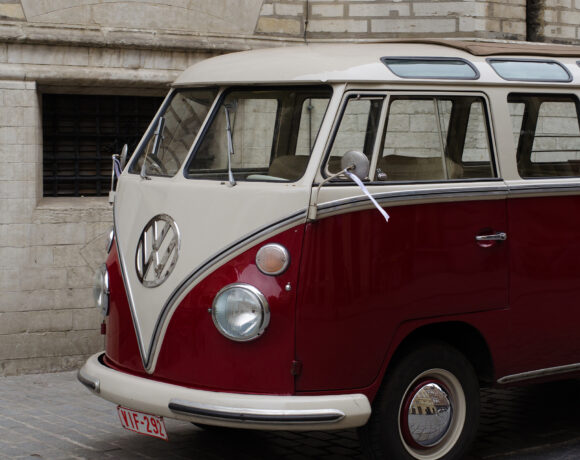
<point>499,236</point>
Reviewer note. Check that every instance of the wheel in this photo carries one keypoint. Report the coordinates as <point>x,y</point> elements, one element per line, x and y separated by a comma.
<point>426,409</point>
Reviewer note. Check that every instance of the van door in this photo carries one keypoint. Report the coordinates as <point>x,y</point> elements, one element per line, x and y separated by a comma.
<point>544,232</point>
<point>441,256</point>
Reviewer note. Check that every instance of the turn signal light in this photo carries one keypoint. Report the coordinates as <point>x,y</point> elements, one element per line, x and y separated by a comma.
<point>272,259</point>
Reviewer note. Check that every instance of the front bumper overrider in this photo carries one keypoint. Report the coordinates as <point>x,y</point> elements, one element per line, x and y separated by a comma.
<point>266,412</point>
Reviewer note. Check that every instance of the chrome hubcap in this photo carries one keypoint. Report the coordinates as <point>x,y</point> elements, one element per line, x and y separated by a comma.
<point>427,414</point>
<point>440,398</point>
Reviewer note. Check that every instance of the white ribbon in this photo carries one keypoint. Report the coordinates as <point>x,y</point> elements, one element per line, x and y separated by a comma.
<point>116,167</point>
<point>358,182</point>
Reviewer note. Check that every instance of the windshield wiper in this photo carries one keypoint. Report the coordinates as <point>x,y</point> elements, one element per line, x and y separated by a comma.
<point>230,145</point>
<point>156,144</point>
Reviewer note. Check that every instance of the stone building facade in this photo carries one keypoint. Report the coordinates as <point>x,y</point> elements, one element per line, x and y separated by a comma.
<point>107,52</point>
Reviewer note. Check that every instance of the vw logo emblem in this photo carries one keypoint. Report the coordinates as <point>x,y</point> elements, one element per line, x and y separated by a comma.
<point>157,251</point>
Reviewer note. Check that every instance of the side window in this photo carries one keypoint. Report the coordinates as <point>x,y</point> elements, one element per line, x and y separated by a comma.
<point>516,115</point>
<point>548,139</point>
<point>476,157</point>
<point>357,130</point>
<point>313,110</point>
<point>435,138</point>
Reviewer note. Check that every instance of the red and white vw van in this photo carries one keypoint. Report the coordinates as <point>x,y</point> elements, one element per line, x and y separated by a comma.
<point>336,236</point>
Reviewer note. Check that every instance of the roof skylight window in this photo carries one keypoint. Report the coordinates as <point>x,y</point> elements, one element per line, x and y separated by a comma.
<point>431,68</point>
<point>530,70</point>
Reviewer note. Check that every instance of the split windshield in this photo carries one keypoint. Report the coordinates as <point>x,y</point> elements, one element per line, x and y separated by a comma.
<point>260,135</point>
<point>253,134</point>
<point>173,133</point>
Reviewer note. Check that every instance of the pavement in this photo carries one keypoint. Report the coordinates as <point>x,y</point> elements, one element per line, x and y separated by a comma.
<point>52,416</point>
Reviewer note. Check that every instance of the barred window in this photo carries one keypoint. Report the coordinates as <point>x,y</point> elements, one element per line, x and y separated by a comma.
<point>81,132</point>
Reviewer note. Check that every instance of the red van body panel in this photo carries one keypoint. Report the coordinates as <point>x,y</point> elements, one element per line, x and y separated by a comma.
<point>545,293</point>
<point>121,347</point>
<point>346,327</point>
<point>194,354</point>
<point>362,279</point>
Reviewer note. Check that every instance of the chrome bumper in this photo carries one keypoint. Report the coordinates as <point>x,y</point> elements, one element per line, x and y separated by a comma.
<point>225,409</point>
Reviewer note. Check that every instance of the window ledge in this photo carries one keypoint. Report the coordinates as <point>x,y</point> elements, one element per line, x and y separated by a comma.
<point>81,203</point>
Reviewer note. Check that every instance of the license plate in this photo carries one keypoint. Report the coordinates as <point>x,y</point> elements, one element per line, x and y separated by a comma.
<point>148,424</point>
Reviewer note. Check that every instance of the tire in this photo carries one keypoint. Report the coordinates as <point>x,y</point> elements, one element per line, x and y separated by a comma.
<point>427,407</point>
<point>214,428</point>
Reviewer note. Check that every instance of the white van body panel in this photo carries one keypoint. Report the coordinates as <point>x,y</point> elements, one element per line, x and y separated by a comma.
<point>308,64</point>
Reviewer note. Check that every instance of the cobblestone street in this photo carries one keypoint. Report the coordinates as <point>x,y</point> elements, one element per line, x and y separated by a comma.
<point>52,416</point>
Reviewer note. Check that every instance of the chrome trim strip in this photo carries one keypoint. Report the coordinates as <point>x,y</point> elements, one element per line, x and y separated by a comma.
<point>539,373</point>
<point>348,204</point>
<point>110,239</point>
<point>208,265</point>
<point>528,189</point>
<point>256,415</point>
<point>91,383</point>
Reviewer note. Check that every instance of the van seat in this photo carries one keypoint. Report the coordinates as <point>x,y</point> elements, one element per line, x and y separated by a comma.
<point>289,167</point>
<point>406,168</point>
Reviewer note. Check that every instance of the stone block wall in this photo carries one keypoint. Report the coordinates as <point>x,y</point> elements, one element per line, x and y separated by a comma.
<point>380,19</point>
<point>48,250</point>
<point>561,21</point>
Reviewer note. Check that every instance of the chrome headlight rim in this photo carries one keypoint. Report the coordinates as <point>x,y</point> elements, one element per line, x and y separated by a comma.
<point>101,290</point>
<point>261,301</point>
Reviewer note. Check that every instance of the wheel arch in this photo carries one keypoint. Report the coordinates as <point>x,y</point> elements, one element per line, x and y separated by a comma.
<point>460,335</point>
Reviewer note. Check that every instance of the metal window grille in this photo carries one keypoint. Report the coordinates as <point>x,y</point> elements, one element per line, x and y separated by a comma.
<point>81,132</point>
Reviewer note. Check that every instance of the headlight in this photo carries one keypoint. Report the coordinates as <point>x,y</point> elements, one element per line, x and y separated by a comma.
<point>240,312</point>
<point>101,290</point>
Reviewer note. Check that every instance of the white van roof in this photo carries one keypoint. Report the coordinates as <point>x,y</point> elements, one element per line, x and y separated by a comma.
<point>341,62</point>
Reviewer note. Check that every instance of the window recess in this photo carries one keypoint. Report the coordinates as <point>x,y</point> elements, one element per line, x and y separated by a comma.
<point>82,132</point>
